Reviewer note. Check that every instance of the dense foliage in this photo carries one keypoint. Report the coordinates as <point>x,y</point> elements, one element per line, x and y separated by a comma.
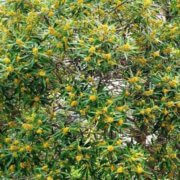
<point>89,89</point>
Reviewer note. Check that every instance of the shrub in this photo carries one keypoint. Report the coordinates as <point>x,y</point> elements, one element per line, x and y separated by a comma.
<point>89,89</point>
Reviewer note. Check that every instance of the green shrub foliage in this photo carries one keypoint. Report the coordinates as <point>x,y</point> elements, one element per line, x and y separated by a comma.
<point>89,89</point>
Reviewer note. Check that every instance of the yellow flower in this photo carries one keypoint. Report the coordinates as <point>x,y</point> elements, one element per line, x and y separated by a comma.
<point>122,108</point>
<point>91,39</point>
<point>46,144</point>
<point>165,91</point>
<point>22,165</point>
<point>28,148</point>
<point>36,98</point>
<point>69,88</point>
<point>39,131</point>
<point>11,124</point>
<point>7,140</point>
<point>138,87</point>
<point>21,149</point>
<point>87,59</point>
<point>13,148</point>
<point>6,60</point>
<point>165,111</point>
<point>119,142</point>
<point>163,99</point>
<point>39,122</point>
<point>147,3</point>
<point>19,42</point>
<point>104,27</point>
<point>155,107</point>
<point>142,61</point>
<point>65,130</point>
<point>156,54</point>
<point>142,111</point>
<point>81,42</point>
<point>127,93</point>
<point>72,95</point>
<point>168,69</point>
<point>133,79</point>
<point>49,178</point>
<point>44,9</point>
<point>52,31</point>
<point>74,103</point>
<point>79,157</point>
<point>18,58</point>
<point>90,79</point>
<point>149,93</point>
<point>16,142</point>
<point>110,148</point>
<point>92,49</point>
<point>173,155</point>
<point>16,81</point>
<point>107,56</point>
<point>42,73</point>
<point>125,47</point>
<point>178,104</point>
<point>139,169</point>
<point>109,119</point>
<point>170,127</point>
<point>27,126</point>
<point>80,1</point>
<point>120,122</point>
<point>56,4</point>
<point>101,143</point>
<point>49,52</point>
<point>170,104</point>
<point>10,69</point>
<point>67,27</point>
<point>59,45</point>
<point>166,78</point>
<point>167,50</point>
<point>109,101</point>
<point>173,83</point>
<point>120,170</point>
<point>92,97</point>
<point>51,13</point>
<point>29,27</point>
<point>15,154</point>
<point>105,109</point>
<point>12,168</point>
<point>45,168</point>
<point>83,112</point>
<point>35,51</point>
<point>148,110</point>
